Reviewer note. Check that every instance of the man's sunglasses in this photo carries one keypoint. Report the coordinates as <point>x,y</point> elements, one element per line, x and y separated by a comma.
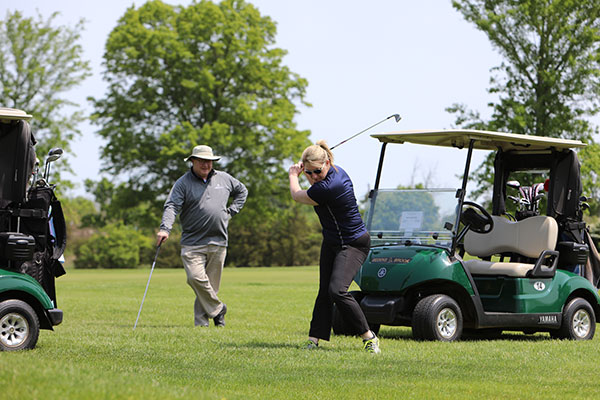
<point>315,171</point>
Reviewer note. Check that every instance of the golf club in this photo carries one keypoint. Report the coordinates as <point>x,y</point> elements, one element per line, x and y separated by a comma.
<point>53,155</point>
<point>396,116</point>
<point>148,284</point>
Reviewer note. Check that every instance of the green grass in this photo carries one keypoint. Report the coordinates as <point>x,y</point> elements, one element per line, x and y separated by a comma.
<point>95,354</point>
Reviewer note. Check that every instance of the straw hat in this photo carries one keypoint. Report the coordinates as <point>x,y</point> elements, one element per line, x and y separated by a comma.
<point>204,152</point>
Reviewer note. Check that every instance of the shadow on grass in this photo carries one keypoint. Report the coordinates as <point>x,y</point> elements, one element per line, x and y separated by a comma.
<point>162,326</point>
<point>472,336</point>
<point>271,345</point>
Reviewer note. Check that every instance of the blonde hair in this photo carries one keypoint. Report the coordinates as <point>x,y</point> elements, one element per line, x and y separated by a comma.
<point>317,153</point>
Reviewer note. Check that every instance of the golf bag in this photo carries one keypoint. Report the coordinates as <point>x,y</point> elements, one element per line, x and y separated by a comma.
<point>577,251</point>
<point>32,224</point>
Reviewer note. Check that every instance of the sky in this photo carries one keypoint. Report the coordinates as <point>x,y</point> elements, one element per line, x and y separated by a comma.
<point>364,61</point>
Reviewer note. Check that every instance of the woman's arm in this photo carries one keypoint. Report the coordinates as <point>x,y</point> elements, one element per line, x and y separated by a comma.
<point>299,195</point>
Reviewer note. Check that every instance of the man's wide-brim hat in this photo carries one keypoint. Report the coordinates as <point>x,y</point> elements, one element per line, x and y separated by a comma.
<point>203,152</point>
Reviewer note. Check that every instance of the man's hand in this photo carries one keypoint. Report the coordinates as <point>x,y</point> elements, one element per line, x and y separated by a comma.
<point>161,237</point>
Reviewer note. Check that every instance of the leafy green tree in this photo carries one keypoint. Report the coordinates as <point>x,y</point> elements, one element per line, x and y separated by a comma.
<point>208,73</point>
<point>549,81</point>
<point>590,166</point>
<point>39,64</point>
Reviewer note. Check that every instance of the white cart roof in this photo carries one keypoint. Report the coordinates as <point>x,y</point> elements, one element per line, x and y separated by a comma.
<point>484,140</point>
<point>13,113</point>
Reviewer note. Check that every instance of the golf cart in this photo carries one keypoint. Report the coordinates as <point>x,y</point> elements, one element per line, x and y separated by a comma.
<point>446,266</point>
<point>32,236</point>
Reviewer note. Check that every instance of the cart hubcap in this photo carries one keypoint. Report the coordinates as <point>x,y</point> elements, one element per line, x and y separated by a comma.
<point>446,323</point>
<point>14,330</point>
<point>581,323</point>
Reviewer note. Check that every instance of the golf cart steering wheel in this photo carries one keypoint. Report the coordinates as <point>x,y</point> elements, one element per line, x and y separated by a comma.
<point>479,221</point>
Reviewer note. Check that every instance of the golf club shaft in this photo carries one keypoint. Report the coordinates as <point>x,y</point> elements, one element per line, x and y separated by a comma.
<point>397,116</point>
<point>147,284</point>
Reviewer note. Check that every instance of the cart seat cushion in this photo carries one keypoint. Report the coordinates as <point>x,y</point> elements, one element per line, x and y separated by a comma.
<point>528,237</point>
<point>512,269</point>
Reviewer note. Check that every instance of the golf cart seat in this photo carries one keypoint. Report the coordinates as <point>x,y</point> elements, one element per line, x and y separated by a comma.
<point>534,237</point>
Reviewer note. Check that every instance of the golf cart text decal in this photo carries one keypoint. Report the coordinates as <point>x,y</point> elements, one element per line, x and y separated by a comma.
<point>390,260</point>
<point>548,319</point>
<point>539,286</point>
<point>381,273</point>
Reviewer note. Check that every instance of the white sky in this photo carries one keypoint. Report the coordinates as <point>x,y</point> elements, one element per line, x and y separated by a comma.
<point>364,61</point>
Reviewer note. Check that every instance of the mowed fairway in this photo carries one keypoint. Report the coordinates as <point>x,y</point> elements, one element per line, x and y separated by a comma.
<point>95,354</point>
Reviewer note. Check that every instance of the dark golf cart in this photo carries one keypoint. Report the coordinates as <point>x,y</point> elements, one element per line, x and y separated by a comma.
<point>32,236</point>
<point>445,266</point>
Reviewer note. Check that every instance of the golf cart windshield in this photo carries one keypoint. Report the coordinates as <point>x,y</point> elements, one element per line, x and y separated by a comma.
<point>418,216</point>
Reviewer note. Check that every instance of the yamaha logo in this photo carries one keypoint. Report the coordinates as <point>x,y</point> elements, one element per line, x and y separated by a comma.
<point>548,319</point>
<point>381,273</point>
<point>539,286</point>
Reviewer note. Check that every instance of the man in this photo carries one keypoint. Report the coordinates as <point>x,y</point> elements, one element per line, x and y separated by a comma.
<point>201,195</point>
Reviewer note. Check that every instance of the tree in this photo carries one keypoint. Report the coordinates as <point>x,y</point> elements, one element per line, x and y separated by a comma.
<point>39,63</point>
<point>549,83</point>
<point>206,73</point>
<point>202,74</point>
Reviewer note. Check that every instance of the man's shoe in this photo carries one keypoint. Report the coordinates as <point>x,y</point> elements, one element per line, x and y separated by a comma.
<point>372,345</point>
<point>220,318</point>
<point>310,345</point>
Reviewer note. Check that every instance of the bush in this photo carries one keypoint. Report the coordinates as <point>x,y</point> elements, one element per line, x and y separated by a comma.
<point>116,246</point>
<point>170,252</point>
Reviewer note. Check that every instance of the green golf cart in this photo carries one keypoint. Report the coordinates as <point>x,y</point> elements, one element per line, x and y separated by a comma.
<point>32,237</point>
<point>447,267</point>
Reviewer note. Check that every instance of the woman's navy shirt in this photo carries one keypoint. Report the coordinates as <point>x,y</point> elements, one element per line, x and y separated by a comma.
<point>337,209</point>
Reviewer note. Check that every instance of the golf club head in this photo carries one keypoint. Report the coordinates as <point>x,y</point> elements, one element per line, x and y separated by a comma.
<point>54,154</point>
<point>397,117</point>
<point>515,199</point>
<point>513,184</point>
<point>538,188</point>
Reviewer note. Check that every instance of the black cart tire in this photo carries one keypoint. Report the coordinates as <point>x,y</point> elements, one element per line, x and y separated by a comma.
<point>437,317</point>
<point>578,321</point>
<point>19,326</point>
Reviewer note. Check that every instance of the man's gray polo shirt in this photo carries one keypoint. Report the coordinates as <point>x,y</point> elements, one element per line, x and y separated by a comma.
<point>202,206</point>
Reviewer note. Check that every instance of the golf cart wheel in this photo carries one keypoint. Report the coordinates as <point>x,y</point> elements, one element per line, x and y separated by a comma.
<point>578,321</point>
<point>437,317</point>
<point>19,326</point>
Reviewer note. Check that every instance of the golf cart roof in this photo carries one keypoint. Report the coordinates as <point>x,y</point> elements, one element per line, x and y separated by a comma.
<point>484,140</point>
<point>13,114</point>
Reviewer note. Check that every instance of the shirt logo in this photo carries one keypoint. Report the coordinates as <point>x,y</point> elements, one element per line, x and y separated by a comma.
<point>381,273</point>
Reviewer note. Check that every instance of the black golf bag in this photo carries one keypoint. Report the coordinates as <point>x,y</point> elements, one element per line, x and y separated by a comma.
<point>32,224</point>
<point>564,204</point>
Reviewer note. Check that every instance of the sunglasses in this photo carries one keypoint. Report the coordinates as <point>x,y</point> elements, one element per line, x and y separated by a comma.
<point>315,171</point>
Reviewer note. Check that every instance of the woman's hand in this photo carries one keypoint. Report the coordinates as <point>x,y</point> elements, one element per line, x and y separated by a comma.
<point>296,169</point>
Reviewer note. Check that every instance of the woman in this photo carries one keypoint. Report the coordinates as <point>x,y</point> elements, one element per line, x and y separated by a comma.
<point>345,242</point>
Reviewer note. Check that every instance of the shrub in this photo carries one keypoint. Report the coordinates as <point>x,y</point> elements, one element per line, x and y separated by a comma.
<point>116,246</point>
<point>170,252</point>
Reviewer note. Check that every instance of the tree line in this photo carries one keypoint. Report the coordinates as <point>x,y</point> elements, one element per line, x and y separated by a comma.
<point>211,73</point>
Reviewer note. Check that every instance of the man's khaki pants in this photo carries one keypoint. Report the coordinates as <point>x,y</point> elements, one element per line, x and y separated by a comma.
<point>203,266</point>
